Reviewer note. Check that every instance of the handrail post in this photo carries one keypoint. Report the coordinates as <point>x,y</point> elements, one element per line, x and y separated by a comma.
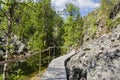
<point>40,63</point>
<point>49,56</point>
<point>54,52</point>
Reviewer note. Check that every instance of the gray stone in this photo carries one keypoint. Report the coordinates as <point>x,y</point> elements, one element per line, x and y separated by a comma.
<point>97,59</point>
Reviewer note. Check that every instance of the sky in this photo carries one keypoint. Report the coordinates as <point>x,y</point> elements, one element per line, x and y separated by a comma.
<point>85,6</point>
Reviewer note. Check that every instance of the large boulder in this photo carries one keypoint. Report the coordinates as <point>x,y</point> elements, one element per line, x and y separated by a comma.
<point>97,59</point>
<point>18,48</point>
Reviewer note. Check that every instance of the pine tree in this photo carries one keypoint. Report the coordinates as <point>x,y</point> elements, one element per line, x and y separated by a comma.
<point>73,26</point>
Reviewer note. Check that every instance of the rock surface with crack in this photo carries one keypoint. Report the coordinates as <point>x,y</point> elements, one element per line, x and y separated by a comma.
<point>97,59</point>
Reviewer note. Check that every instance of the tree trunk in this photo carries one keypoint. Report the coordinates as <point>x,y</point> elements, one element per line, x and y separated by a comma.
<point>8,38</point>
<point>7,54</point>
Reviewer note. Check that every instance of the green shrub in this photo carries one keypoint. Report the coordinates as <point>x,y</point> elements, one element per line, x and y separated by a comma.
<point>17,76</point>
<point>1,77</point>
<point>113,23</point>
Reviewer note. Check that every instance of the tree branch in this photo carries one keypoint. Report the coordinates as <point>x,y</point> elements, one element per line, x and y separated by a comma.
<point>5,14</point>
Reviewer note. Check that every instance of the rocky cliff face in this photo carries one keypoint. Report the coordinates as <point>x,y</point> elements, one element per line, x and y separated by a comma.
<point>97,59</point>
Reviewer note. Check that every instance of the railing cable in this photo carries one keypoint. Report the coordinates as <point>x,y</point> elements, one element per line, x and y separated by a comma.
<point>30,54</point>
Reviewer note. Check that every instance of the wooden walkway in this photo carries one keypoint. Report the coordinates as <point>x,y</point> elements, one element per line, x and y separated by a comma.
<point>56,69</point>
